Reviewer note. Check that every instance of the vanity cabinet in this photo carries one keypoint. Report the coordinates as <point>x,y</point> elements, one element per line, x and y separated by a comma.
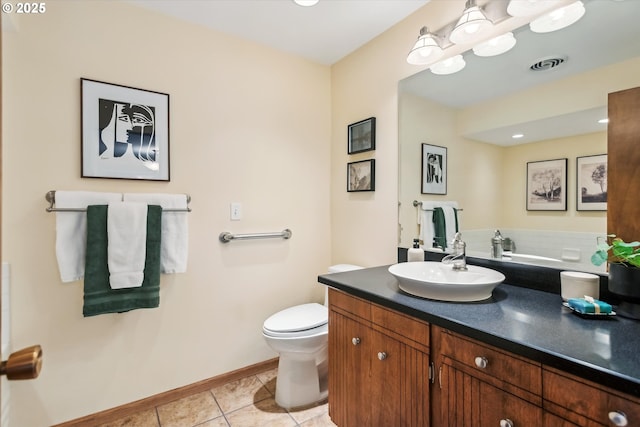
<point>378,365</point>
<point>483,386</point>
<point>577,401</point>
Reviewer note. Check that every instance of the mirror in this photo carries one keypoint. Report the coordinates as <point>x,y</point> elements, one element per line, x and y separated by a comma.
<point>474,112</point>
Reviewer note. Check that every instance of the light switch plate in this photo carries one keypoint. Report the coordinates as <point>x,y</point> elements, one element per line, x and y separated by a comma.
<point>236,211</point>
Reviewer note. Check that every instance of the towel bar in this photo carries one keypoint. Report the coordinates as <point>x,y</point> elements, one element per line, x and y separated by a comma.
<point>417,203</point>
<point>51,198</point>
<point>226,237</point>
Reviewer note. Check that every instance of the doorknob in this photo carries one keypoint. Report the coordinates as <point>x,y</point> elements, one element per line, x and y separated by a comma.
<point>23,364</point>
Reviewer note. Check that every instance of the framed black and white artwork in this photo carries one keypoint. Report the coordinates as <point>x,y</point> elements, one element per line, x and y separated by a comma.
<point>362,136</point>
<point>125,132</point>
<point>361,176</point>
<point>591,183</point>
<point>547,185</point>
<point>434,169</point>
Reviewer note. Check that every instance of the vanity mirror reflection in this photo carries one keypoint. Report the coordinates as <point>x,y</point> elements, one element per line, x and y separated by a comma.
<point>475,112</point>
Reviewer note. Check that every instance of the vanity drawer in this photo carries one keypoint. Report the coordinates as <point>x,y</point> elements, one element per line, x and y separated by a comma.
<point>349,304</point>
<point>503,369</point>
<point>579,400</point>
<point>400,324</point>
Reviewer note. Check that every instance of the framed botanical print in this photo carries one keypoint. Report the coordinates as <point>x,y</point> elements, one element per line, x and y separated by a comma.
<point>361,176</point>
<point>125,132</point>
<point>547,185</point>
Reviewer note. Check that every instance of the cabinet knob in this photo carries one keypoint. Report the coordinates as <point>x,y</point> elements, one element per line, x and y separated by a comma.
<point>618,418</point>
<point>482,362</point>
<point>506,423</point>
<point>355,340</point>
<point>382,355</point>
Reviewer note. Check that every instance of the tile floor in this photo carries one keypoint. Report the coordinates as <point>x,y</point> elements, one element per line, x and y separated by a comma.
<point>248,402</point>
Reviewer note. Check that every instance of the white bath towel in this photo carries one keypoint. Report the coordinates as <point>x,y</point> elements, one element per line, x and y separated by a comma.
<point>425,219</point>
<point>71,230</point>
<point>174,251</point>
<point>126,244</point>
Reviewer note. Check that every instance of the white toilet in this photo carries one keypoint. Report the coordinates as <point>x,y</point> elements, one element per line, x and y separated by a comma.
<point>300,335</point>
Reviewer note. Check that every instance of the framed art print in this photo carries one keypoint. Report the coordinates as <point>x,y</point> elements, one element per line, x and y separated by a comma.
<point>361,176</point>
<point>125,132</point>
<point>591,183</point>
<point>547,185</point>
<point>362,136</point>
<point>434,169</point>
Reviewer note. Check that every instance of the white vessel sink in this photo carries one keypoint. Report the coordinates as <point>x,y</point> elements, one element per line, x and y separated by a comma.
<point>435,280</point>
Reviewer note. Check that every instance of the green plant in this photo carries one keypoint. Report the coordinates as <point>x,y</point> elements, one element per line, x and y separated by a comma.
<point>615,250</point>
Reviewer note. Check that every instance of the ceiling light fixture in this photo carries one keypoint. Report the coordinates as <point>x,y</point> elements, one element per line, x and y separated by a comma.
<point>449,65</point>
<point>522,8</point>
<point>558,19</point>
<point>496,46</point>
<point>472,24</point>
<point>426,50</point>
<point>517,136</point>
<point>306,3</point>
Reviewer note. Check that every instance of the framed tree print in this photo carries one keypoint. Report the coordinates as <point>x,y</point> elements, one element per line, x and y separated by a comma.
<point>434,169</point>
<point>591,183</point>
<point>547,185</point>
<point>361,176</point>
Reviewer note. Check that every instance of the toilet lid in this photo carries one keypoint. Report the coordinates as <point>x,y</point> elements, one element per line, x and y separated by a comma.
<point>298,318</point>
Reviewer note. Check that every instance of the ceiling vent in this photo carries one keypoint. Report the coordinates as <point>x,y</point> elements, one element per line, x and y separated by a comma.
<point>548,63</point>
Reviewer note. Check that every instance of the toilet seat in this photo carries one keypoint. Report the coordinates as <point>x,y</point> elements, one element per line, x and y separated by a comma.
<point>300,320</point>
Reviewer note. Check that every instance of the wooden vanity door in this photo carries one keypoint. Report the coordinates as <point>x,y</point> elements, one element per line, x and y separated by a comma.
<point>385,380</point>
<point>349,371</point>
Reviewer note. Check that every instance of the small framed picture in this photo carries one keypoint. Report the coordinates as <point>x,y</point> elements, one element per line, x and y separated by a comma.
<point>362,136</point>
<point>547,185</point>
<point>125,132</point>
<point>434,169</point>
<point>361,176</point>
<point>591,183</point>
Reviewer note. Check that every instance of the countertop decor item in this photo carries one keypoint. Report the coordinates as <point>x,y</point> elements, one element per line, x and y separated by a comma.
<point>624,272</point>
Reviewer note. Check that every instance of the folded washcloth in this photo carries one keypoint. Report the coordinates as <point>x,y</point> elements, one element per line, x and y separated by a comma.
<point>71,230</point>
<point>127,240</point>
<point>589,305</point>
<point>175,229</point>
<point>99,298</point>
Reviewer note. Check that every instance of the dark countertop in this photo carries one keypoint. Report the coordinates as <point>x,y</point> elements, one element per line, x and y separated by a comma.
<point>524,321</point>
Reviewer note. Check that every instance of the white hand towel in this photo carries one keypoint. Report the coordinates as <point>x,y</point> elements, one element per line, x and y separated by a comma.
<point>425,219</point>
<point>71,230</point>
<point>174,250</point>
<point>126,244</point>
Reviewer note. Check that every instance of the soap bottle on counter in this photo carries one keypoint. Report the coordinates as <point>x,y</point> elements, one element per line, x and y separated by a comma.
<point>416,253</point>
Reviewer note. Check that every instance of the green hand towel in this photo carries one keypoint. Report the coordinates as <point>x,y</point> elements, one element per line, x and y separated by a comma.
<point>99,298</point>
<point>439,228</point>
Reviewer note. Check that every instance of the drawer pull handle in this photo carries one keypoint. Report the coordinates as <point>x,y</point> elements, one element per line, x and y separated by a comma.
<point>382,355</point>
<point>355,340</point>
<point>506,423</point>
<point>482,362</point>
<point>618,418</point>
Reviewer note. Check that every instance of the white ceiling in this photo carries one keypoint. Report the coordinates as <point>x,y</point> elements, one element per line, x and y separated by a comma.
<point>324,33</point>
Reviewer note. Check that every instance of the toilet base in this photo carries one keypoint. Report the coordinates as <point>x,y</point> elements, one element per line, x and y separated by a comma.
<point>300,382</point>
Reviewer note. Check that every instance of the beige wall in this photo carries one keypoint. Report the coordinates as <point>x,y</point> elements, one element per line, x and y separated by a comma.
<point>248,124</point>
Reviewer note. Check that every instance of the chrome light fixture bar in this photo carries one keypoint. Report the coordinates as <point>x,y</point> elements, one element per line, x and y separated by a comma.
<point>472,24</point>
<point>426,50</point>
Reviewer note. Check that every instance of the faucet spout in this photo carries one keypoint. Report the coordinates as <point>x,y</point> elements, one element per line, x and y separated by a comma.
<point>459,255</point>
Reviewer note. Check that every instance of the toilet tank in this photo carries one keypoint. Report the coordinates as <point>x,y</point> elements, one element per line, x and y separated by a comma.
<point>338,268</point>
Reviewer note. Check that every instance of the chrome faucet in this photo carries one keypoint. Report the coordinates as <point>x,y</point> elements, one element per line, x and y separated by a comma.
<point>459,255</point>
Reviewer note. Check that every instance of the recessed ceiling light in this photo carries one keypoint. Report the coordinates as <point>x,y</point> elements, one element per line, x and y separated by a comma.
<point>603,121</point>
<point>306,2</point>
<point>517,136</point>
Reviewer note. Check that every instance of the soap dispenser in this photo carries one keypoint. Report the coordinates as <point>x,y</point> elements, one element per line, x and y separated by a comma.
<point>496,245</point>
<point>416,253</point>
